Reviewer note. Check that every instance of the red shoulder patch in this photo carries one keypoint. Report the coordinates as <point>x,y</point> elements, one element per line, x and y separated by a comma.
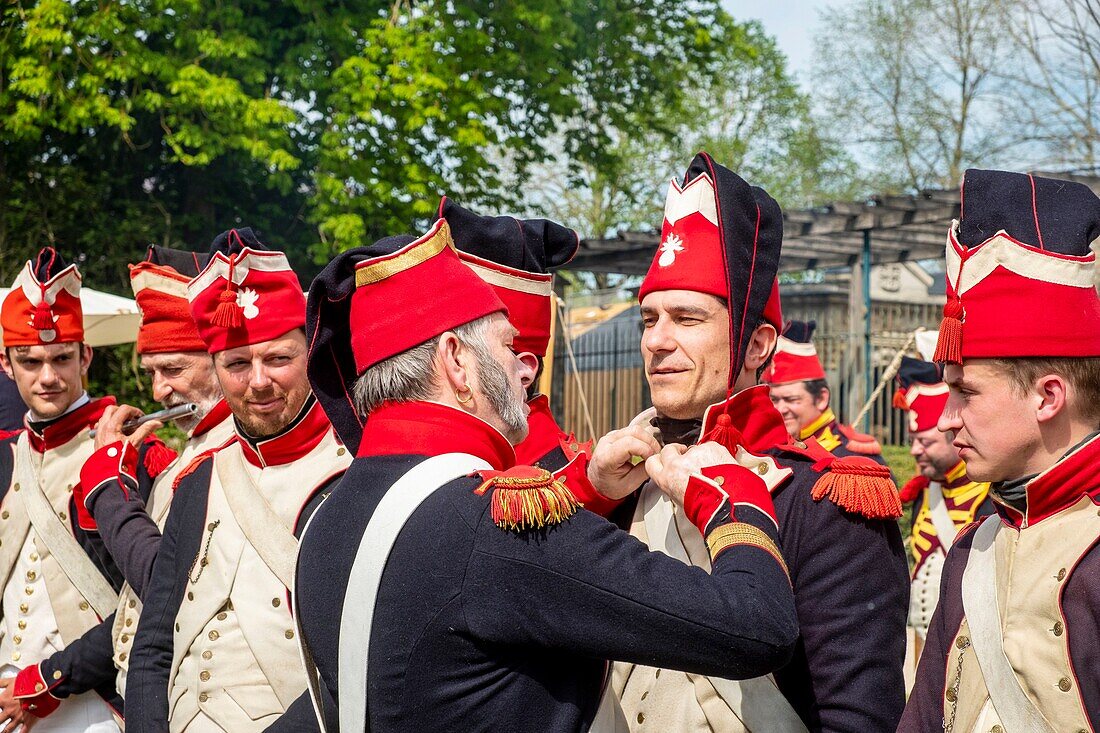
<point>861,486</point>
<point>913,488</point>
<point>860,442</point>
<point>525,497</point>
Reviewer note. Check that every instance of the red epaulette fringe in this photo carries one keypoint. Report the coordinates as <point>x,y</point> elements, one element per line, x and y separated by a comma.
<point>861,486</point>
<point>158,457</point>
<point>527,498</point>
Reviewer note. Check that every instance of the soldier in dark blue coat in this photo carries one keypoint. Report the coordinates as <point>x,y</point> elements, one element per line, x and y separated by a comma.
<point>710,318</point>
<point>499,604</point>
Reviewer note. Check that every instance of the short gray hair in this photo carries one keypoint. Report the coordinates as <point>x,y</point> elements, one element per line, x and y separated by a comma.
<point>410,375</point>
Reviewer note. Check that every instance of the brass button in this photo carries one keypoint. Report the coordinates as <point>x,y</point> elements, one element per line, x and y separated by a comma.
<point>204,676</point>
<point>132,603</point>
<point>207,654</point>
<point>214,635</point>
<point>4,514</point>
<point>210,527</point>
<point>1062,574</point>
<point>951,695</point>
<point>641,717</point>
<point>38,687</point>
<point>177,626</point>
<point>222,616</point>
<point>31,575</point>
<point>122,657</point>
<point>203,697</point>
<point>574,447</point>
<point>22,625</point>
<point>34,557</point>
<point>124,638</point>
<point>656,674</point>
<point>289,634</point>
<point>57,674</point>
<point>996,729</point>
<point>129,622</point>
<point>761,468</point>
<point>720,480</point>
<point>645,695</point>
<point>1064,684</point>
<point>15,656</point>
<point>962,642</point>
<point>276,602</point>
<point>29,591</point>
<point>190,596</point>
<point>17,639</point>
<point>84,606</point>
<point>1058,628</point>
<point>23,607</point>
<point>341,451</point>
<point>61,514</point>
<point>16,487</point>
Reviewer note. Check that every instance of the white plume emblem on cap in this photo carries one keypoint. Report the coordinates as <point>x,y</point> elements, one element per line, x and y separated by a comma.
<point>695,198</point>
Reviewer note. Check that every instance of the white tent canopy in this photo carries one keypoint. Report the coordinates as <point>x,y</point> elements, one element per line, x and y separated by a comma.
<point>108,319</point>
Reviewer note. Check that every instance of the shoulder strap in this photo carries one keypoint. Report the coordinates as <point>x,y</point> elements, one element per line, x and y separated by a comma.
<point>395,508</point>
<point>941,520</point>
<point>265,531</point>
<point>983,614</point>
<point>59,540</point>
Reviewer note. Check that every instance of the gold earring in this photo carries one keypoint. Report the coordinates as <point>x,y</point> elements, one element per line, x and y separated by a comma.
<point>458,394</point>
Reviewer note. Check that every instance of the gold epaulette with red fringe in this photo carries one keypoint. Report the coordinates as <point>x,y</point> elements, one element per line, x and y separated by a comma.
<point>860,442</point>
<point>525,497</point>
<point>861,486</point>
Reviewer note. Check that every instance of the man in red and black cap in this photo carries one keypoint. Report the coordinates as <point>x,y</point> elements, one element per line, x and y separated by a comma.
<point>181,371</point>
<point>948,499</point>
<point>58,582</point>
<point>801,394</point>
<point>528,596</point>
<point>710,313</point>
<point>215,649</point>
<point>1014,644</point>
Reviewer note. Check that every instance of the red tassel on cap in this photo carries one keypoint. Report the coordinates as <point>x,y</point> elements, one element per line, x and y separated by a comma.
<point>43,316</point>
<point>861,486</point>
<point>899,399</point>
<point>723,433</point>
<point>228,314</point>
<point>949,345</point>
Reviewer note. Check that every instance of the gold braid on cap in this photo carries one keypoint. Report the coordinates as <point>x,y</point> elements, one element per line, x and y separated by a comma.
<point>417,253</point>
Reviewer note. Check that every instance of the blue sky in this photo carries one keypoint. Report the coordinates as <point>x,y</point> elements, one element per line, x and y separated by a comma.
<point>792,22</point>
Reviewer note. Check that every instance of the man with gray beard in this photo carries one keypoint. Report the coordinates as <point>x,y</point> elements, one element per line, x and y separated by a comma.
<point>473,595</point>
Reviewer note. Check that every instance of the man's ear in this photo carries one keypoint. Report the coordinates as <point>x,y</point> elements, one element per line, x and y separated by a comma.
<point>531,362</point>
<point>1050,391</point>
<point>5,364</point>
<point>761,346</point>
<point>455,362</point>
<point>85,358</point>
<point>822,402</point>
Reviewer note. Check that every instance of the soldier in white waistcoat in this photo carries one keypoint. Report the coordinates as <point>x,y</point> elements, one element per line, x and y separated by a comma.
<point>216,647</point>
<point>1014,645</point>
<point>58,580</point>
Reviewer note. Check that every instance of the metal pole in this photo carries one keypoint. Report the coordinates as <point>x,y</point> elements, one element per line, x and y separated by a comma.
<point>867,381</point>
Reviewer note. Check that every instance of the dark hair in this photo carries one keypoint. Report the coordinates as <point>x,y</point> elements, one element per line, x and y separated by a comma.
<point>816,387</point>
<point>1081,372</point>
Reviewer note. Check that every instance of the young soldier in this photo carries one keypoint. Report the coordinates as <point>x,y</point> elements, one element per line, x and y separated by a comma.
<point>710,313</point>
<point>947,499</point>
<point>1014,644</point>
<point>174,357</point>
<point>528,596</point>
<point>58,581</point>
<point>215,649</point>
<point>801,394</point>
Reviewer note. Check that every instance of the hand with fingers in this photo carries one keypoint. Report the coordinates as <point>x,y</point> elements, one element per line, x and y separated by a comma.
<point>617,467</point>
<point>671,468</point>
<point>109,429</point>
<point>13,717</point>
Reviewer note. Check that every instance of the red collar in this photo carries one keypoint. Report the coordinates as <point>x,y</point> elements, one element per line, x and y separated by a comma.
<point>303,435</point>
<point>69,426</point>
<point>1060,486</point>
<point>217,415</point>
<point>753,415</point>
<point>543,432</point>
<point>432,429</point>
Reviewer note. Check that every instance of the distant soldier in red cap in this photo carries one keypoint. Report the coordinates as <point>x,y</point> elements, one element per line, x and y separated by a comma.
<point>1014,644</point>
<point>174,357</point>
<point>801,394</point>
<point>215,649</point>
<point>465,592</point>
<point>710,311</point>
<point>58,581</point>
<point>947,499</point>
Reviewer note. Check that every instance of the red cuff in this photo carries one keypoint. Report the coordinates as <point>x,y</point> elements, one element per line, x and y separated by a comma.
<point>33,693</point>
<point>744,486</point>
<point>110,464</point>
<point>575,476</point>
